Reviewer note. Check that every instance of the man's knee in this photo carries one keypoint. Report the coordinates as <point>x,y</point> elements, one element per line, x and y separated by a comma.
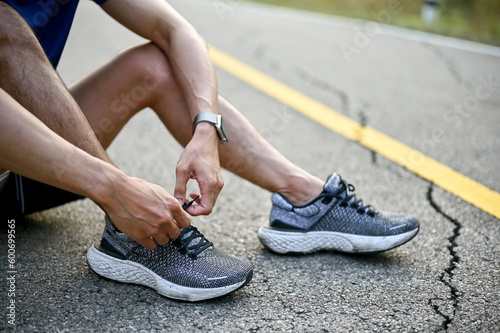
<point>17,42</point>
<point>152,68</point>
<point>14,30</point>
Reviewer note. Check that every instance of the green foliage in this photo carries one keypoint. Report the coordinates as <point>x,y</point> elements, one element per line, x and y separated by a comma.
<point>477,20</point>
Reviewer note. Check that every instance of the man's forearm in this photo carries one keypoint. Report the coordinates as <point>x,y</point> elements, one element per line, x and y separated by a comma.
<point>30,148</point>
<point>189,59</point>
<point>186,51</point>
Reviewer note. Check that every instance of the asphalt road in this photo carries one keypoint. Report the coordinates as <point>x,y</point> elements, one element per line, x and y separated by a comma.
<point>402,84</point>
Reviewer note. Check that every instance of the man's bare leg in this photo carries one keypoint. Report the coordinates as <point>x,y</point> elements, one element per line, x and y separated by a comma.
<point>141,77</point>
<point>24,64</point>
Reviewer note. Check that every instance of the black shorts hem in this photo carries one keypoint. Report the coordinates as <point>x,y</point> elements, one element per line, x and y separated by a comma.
<point>22,196</point>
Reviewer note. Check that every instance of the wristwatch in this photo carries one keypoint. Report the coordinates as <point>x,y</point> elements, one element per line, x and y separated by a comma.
<point>214,119</point>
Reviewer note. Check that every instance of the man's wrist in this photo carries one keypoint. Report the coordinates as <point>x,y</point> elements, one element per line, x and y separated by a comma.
<point>103,187</point>
<point>213,119</point>
<point>206,132</point>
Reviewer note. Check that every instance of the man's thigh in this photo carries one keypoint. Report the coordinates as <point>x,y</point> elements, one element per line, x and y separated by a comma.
<point>115,92</point>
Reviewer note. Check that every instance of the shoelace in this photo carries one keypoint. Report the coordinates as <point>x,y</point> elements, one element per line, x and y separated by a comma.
<point>183,243</point>
<point>348,199</point>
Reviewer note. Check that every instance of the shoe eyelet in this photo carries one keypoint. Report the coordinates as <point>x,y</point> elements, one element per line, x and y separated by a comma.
<point>182,251</point>
<point>192,256</point>
<point>343,204</point>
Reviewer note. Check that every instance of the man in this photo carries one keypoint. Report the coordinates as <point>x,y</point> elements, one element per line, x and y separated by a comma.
<point>57,136</point>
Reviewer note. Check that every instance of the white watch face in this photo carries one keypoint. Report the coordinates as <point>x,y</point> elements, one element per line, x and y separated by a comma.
<point>221,128</point>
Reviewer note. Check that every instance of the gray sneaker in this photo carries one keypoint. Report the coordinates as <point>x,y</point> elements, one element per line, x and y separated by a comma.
<point>335,220</point>
<point>189,268</point>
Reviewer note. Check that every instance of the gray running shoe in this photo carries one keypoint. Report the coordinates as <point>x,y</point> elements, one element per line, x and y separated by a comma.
<point>189,268</point>
<point>335,220</point>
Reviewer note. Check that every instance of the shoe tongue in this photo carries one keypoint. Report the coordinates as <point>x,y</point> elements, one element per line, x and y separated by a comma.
<point>332,183</point>
<point>194,241</point>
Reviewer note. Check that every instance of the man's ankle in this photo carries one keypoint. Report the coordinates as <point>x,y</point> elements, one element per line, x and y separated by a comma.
<point>302,190</point>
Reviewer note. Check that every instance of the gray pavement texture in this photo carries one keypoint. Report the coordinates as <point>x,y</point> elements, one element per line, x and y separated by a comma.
<point>446,279</point>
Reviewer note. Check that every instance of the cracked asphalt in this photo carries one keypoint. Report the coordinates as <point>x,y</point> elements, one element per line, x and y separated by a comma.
<point>418,92</point>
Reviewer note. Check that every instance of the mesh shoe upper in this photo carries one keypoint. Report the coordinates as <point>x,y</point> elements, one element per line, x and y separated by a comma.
<point>337,209</point>
<point>189,261</point>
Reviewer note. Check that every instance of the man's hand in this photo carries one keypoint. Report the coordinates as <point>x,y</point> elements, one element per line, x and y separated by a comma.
<point>200,161</point>
<point>145,212</point>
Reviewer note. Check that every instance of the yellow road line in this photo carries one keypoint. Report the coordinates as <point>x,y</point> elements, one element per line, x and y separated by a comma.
<point>450,180</point>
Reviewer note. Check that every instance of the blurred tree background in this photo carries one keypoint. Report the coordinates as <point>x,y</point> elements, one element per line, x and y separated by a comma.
<point>476,20</point>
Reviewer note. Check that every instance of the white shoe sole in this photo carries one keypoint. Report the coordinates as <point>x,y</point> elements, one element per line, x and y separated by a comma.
<point>307,242</point>
<point>131,272</point>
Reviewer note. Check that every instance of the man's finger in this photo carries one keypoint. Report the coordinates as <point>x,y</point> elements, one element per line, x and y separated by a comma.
<point>204,207</point>
<point>161,237</point>
<point>148,243</point>
<point>182,219</point>
<point>181,179</point>
<point>195,197</point>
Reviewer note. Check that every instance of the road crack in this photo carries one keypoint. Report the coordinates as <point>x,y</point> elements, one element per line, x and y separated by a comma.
<point>446,277</point>
<point>363,121</point>
<point>448,62</point>
<point>325,86</point>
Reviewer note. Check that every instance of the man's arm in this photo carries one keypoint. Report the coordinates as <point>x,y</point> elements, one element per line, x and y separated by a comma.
<point>187,53</point>
<point>37,112</point>
<point>30,148</point>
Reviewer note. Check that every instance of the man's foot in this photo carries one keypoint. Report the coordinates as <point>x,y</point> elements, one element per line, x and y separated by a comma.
<point>335,220</point>
<point>188,268</point>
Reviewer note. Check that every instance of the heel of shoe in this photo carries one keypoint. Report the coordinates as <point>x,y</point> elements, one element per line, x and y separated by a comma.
<point>117,269</point>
